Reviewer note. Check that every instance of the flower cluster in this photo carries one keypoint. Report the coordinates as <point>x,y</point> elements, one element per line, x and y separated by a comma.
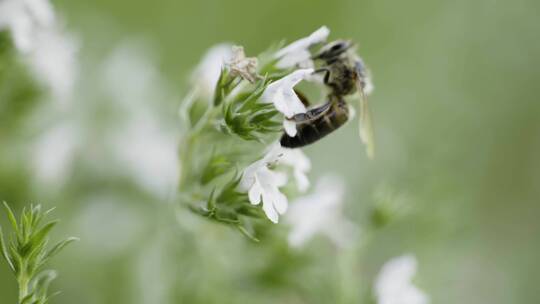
<point>233,169</point>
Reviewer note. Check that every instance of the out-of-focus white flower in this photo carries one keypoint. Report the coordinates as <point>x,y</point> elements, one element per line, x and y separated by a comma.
<point>25,18</point>
<point>149,154</point>
<point>206,74</point>
<point>300,163</point>
<point>54,153</point>
<point>109,224</point>
<point>297,53</point>
<point>142,143</point>
<point>50,53</point>
<point>262,182</point>
<point>54,63</point>
<point>240,65</point>
<point>394,282</point>
<point>320,213</point>
<point>281,94</point>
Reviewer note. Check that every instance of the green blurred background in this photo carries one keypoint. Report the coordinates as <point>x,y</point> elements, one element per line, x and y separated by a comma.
<point>457,123</point>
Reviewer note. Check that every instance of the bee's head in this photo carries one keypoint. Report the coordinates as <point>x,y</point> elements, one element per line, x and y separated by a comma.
<point>333,50</point>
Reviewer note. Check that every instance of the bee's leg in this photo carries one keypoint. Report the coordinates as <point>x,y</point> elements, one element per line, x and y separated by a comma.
<point>311,114</point>
<point>326,75</point>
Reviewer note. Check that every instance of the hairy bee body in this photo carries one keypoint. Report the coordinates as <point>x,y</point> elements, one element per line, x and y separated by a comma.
<point>344,74</point>
<point>341,76</point>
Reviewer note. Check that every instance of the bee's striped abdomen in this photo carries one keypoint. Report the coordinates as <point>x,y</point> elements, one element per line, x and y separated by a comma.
<point>310,132</point>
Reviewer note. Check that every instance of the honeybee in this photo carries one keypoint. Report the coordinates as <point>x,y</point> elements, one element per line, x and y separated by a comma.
<point>344,74</point>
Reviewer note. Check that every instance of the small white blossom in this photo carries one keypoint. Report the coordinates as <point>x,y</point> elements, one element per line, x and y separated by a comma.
<point>281,94</point>
<point>394,282</point>
<point>142,143</point>
<point>297,53</point>
<point>108,223</point>
<point>49,52</point>
<point>206,74</point>
<point>320,213</point>
<point>263,183</point>
<point>24,18</point>
<point>301,165</point>
<point>53,61</point>
<point>53,154</point>
<point>149,153</point>
<point>240,65</point>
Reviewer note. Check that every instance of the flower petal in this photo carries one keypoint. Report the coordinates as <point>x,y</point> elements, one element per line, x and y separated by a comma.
<point>290,127</point>
<point>282,95</point>
<point>255,193</point>
<point>320,213</point>
<point>206,74</point>
<point>297,53</point>
<point>268,208</point>
<point>302,181</point>
<point>394,283</point>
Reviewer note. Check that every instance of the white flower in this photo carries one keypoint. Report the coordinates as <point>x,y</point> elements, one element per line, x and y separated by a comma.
<point>106,225</point>
<point>240,65</point>
<point>24,18</point>
<point>297,53</point>
<point>262,183</point>
<point>142,143</point>
<point>49,52</point>
<point>320,213</point>
<point>53,154</point>
<point>394,282</point>
<point>53,61</point>
<point>148,153</point>
<point>281,94</point>
<point>206,74</point>
<point>297,160</point>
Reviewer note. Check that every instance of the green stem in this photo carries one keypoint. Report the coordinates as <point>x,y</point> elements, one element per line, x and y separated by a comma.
<point>188,142</point>
<point>23,287</point>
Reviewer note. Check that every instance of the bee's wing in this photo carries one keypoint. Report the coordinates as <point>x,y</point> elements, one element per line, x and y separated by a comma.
<point>366,129</point>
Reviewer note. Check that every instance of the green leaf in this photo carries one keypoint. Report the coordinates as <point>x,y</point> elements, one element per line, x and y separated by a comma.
<point>40,284</point>
<point>28,299</point>
<point>58,247</point>
<point>11,217</point>
<point>211,204</point>
<point>37,240</point>
<point>216,166</point>
<point>15,258</point>
<point>244,231</point>
<point>4,252</point>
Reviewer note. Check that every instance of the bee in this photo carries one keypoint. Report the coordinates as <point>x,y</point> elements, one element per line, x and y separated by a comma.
<point>344,74</point>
